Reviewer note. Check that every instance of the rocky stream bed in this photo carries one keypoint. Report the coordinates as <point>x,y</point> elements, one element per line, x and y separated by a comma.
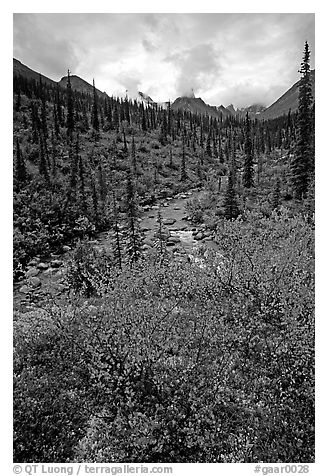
<point>46,279</point>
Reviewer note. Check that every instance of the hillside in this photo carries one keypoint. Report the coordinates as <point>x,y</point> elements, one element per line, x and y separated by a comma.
<point>21,69</point>
<point>80,85</point>
<point>198,106</point>
<point>287,102</point>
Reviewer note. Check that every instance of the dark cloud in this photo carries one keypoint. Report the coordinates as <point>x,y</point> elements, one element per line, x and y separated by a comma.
<point>148,45</point>
<point>36,47</point>
<point>197,68</point>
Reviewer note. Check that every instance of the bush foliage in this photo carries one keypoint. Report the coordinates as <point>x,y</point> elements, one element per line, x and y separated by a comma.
<point>178,363</point>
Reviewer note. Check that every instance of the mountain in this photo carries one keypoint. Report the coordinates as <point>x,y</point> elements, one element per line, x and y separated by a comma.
<point>80,85</point>
<point>288,101</point>
<point>142,97</point>
<point>252,110</point>
<point>21,69</point>
<point>198,106</point>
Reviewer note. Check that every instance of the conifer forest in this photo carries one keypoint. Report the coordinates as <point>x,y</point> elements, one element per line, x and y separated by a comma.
<point>163,270</point>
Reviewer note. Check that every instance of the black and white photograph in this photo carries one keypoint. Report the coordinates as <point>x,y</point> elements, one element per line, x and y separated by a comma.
<point>163,241</point>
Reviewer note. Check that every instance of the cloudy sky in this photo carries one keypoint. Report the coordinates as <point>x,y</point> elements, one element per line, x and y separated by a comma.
<point>225,58</point>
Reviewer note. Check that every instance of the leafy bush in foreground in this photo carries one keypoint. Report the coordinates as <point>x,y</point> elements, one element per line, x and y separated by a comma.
<point>179,363</point>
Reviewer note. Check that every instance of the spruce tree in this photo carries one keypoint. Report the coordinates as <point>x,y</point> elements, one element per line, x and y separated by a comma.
<point>208,145</point>
<point>230,205</point>
<point>43,166</point>
<point>161,240</point>
<point>43,111</point>
<point>302,165</point>
<point>70,107</point>
<point>82,185</point>
<point>132,230</point>
<point>95,202</point>
<point>276,200</point>
<point>183,172</point>
<point>95,117</point>
<point>20,167</point>
<point>54,155</point>
<point>117,247</point>
<point>248,175</point>
<point>133,156</point>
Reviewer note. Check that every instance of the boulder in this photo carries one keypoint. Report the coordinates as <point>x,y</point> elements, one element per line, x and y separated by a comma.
<point>32,272</point>
<point>66,248</point>
<point>49,271</point>
<point>169,221</point>
<point>34,282</point>
<point>199,236</point>
<point>33,262</point>
<point>174,239</point>
<point>25,289</point>
<point>43,266</point>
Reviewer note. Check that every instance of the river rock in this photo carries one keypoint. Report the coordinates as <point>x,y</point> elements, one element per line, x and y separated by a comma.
<point>177,208</point>
<point>199,236</point>
<point>34,282</point>
<point>174,239</point>
<point>33,262</point>
<point>43,266</point>
<point>32,272</point>
<point>25,289</point>
<point>169,221</point>
<point>49,271</point>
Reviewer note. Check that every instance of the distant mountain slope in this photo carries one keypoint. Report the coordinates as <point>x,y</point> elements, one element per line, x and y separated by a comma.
<point>21,69</point>
<point>198,106</point>
<point>288,101</point>
<point>80,85</point>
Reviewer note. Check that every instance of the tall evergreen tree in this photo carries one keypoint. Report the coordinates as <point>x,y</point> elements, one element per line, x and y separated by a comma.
<point>95,116</point>
<point>20,167</point>
<point>117,247</point>
<point>208,145</point>
<point>230,205</point>
<point>276,194</point>
<point>82,185</point>
<point>302,165</point>
<point>248,175</point>
<point>132,230</point>
<point>133,156</point>
<point>43,166</point>
<point>70,107</point>
<point>161,240</point>
<point>183,172</point>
